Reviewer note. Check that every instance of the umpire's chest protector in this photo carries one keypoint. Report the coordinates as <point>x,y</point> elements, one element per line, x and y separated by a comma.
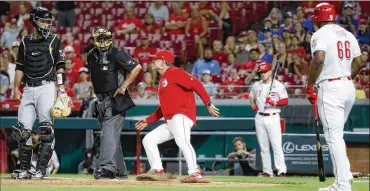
<point>38,59</point>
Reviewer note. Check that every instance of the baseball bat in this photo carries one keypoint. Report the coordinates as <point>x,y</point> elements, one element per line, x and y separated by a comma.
<point>320,157</point>
<point>274,74</point>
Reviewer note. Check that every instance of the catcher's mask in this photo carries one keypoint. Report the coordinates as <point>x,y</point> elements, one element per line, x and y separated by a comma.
<point>103,38</point>
<point>41,19</point>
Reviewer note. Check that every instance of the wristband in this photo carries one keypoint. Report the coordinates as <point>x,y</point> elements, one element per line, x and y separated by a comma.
<point>61,78</point>
<point>209,104</point>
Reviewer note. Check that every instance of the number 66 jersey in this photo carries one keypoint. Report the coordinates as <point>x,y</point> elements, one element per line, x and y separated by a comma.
<point>340,48</point>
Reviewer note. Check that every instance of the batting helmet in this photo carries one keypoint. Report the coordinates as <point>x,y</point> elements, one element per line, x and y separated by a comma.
<point>323,12</point>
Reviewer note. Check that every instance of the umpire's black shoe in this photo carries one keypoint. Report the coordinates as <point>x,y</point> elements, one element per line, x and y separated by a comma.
<point>121,177</point>
<point>104,174</point>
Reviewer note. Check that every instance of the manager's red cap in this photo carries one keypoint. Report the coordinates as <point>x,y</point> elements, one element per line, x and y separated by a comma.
<point>165,55</point>
<point>264,67</point>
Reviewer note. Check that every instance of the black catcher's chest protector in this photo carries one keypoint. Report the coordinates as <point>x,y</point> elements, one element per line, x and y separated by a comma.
<point>38,59</point>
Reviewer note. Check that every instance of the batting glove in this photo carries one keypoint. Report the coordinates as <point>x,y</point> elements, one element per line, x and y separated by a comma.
<point>311,95</point>
<point>270,101</point>
<point>255,108</point>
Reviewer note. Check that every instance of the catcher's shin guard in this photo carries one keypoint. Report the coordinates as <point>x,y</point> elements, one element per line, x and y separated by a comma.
<point>46,146</point>
<point>23,136</point>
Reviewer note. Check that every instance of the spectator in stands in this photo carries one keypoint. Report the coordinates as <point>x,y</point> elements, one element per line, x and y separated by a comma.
<point>286,33</point>
<point>65,11</point>
<point>10,67</point>
<point>363,34</point>
<point>281,55</point>
<point>148,79</point>
<point>232,87</point>
<point>176,23</point>
<point>299,32</point>
<point>276,30</point>
<point>265,37</point>
<point>71,75</point>
<point>254,55</point>
<point>142,54</point>
<point>306,23</point>
<point>14,51</point>
<point>218,53</point>
<point>142,93</point>
<point>183,6</point>
<point>241,152</point>
<point>53,166</point>
<point>287,42</point>
<point>288,20</point>
<point>267,23</point>
<point>10,35</point>
<point>365,81</point>
<point>226,16</point>
<point>252,75</point>
<point>197,25</point>
<point>23,18</point>
<point>275,16</point>
<point>159,11</point>
<point>296,48</point>
<point>69,52</point>
<point>208,84</point>
<point>308,7</point>
<point>88,165</point>
<point>365,57</point>
<point>4,81</point>
<point>89,47</point>
<point>264,53</point>
<point>70,41</point>
<point>230,45</point>
<point>23,32</point>
<point>207,11</point>
<point>149,26</point>
<point>360,92</point>
<point>251,40</point>
<point>306,44</point>
<point>208,63</point>
<point>231,62</point>
<point>242,55</point>
<point>348,21</point>
<point>297,65</point>
<point>130,24</point>
<point>83,89</point>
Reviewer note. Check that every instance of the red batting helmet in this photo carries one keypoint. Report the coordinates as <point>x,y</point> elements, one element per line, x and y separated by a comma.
<point>323,12</point>
<point>264,67</point>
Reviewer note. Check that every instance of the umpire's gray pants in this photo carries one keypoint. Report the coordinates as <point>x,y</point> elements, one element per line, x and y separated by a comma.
<point>111,156</point>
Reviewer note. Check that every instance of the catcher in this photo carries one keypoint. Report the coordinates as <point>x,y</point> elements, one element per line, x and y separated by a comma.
<point>39,63</point>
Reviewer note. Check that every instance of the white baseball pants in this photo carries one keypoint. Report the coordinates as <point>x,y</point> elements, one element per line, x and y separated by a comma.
<point>335,101</point>
<point>268,131</point>
<point>179,127</point>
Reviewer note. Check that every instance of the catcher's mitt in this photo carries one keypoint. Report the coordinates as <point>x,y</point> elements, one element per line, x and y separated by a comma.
<point>61,106</point>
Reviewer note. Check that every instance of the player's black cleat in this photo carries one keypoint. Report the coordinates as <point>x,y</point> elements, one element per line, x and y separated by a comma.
<point>104,174</point>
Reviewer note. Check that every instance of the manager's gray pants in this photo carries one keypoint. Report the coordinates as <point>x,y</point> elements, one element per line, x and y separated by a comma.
<point>111,156</point>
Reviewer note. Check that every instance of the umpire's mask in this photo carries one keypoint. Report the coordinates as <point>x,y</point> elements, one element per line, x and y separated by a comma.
<point>103,38</point>
<point>41,19</point>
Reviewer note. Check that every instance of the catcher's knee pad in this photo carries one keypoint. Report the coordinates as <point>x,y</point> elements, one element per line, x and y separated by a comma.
<point>20,133</point>
<point>46,146</point>
<point>46,132</point>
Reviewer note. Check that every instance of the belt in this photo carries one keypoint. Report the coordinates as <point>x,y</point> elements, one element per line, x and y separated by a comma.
<point>37,83</point>
<point>103,96</point>
<point>266,114</point>
<point>339,78</point>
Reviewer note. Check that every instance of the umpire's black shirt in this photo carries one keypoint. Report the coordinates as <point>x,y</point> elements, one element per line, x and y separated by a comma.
<point>104,70</point>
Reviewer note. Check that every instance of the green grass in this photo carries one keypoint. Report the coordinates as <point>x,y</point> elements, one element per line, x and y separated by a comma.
<point>285,184</point>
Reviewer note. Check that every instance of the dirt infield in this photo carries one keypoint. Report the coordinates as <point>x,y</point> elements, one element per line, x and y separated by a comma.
<point>76,182</point>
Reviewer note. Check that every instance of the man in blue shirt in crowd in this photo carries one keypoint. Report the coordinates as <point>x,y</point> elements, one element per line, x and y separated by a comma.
<point>207,64</point>
<point>363,34</point>
<point>348,21</point>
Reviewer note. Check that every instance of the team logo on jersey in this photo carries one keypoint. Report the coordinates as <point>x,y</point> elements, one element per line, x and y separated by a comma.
<point>164,83</point>
<point>272,94</point>
<point>314,43</point>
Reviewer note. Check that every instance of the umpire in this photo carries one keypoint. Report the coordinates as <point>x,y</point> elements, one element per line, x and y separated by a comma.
<point>107,64</point>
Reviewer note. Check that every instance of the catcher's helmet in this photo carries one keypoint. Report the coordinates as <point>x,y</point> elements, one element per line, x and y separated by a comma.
<point>103,38</point>
<point>323,12</point>
<point>41,19</point>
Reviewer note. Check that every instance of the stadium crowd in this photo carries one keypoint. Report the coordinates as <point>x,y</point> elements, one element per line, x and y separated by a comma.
<point>221,43</point>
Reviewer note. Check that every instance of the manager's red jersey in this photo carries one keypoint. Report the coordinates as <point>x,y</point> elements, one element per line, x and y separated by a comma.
<point>176,95</point>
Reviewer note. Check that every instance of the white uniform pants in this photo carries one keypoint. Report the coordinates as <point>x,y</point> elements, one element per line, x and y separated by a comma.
<point>268,131</point>
<point>178,127</point>
<point>335,101</point>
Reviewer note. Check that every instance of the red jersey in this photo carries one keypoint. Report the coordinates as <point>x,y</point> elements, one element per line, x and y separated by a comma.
<point>129,23</point>
<point>176,19</point>
<point>71,79</point>
<point>232,88</point>
<point>248,65</point>
<point>142,54</point>
<point>196,27</point>
<point>308,8</point>
<point>176,95</point>
<point>149,29</point>
<point>78,64</point>
<point>221,57</point>
<point>300,50</point>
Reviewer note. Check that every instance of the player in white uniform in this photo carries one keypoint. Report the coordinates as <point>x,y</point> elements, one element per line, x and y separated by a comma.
<point>336,59</point>
<point>266,105</point>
